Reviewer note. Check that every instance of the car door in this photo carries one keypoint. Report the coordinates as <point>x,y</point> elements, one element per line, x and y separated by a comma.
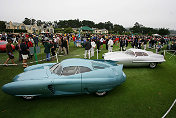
<point>140,59</point>
<point>69,82</point>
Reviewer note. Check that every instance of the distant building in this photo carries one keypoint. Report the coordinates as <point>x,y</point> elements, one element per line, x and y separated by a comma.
<point>30,28</point>
<point>100,31</point>
<point>15,25</point>
<point>95,30</point>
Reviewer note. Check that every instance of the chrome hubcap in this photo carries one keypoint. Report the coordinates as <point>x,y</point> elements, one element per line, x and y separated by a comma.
<point>100,94</point>
<point>28,97</point>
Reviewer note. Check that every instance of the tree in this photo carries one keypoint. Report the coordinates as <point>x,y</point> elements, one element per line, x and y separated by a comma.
<point>100,25</point>
<point>33,21</point>
<point>27,21</point>
<point>2,26</point>
<point>88,23</point>
<point>137,28</point>
<point>108,26</point>
<point>118,29</point>
<point>39,23</point>
<point>68,30</point>
<point>163,31</point>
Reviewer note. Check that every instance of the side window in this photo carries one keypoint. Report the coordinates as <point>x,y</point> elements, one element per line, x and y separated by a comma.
<point>58,70</point>
<point>145,54</point>
<point>71,70</point>
<point>84,69</point>
<point>139,53</point>
<point>97,65</point>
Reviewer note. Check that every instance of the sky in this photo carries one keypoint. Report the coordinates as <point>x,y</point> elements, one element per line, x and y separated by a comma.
<point>150,13</point>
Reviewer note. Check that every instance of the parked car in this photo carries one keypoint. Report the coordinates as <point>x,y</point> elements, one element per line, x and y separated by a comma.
<point>3,46</point>
<point>71,76</point>
<point>135,57</point>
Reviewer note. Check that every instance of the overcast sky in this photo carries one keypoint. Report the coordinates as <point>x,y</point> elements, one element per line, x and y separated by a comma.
<point>151,13</point>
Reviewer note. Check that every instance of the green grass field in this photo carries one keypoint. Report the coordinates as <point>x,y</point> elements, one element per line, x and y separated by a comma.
<point>147,93</point>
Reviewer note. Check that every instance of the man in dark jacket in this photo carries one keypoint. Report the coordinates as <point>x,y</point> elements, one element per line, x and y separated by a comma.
<point>47,46</point>
<point>87,49</point>
<point>65,45</point>
<point>36,40</point>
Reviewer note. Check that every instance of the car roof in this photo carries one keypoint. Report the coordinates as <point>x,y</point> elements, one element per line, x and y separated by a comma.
<point>76,62</point>
<point>83,62</point>
<point>137,50</point>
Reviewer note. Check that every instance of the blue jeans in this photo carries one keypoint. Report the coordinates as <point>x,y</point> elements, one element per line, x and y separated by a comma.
<point>47,56</point>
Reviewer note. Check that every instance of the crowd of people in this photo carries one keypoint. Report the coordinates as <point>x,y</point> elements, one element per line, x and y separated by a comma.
<point>59,43</point>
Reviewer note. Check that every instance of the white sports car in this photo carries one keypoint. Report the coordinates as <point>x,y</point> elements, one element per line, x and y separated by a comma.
<point>135,57</point>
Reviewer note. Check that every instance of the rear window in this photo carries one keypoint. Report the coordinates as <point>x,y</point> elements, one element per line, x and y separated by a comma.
<point>97,65</point>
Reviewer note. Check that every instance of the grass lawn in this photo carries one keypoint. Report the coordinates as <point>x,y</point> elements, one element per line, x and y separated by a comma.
<point>147,93</point>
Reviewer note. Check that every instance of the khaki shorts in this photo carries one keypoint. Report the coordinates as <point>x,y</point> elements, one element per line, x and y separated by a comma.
<point>24,56</point>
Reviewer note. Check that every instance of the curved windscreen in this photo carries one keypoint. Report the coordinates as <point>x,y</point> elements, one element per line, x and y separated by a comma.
<point>129,52</point>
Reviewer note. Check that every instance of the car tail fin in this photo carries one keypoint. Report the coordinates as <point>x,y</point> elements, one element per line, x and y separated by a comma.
<point>113,63</point>
<point>120,66</point>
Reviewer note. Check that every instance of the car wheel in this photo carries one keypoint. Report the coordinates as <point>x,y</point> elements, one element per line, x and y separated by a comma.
<point>28,97</point>
<point>101,93</point>
<point>152,65</point>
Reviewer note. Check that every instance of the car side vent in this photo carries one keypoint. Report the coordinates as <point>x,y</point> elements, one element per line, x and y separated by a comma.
<point>51,88</point>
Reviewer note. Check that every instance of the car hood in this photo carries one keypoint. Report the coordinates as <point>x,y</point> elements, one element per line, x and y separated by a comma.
<point>38,74</point>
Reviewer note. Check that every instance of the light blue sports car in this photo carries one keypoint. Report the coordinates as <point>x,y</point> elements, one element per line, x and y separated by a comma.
<point>71,76</point>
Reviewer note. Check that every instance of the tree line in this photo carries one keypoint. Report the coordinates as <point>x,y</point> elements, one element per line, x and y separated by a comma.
<point>112,28</point>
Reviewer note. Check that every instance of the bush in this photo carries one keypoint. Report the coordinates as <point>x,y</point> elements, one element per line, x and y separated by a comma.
<point>15,31</point>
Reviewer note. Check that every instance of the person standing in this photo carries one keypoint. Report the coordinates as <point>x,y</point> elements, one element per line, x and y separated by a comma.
<point>24,52</point>
<point>59,42</point>
<point>110,45</point>
<point>126,43</point>
<point>65,46</point>
<point>47,46</point>
<point>17,47</point>
<point>9,52</point>
<point>98,44</point>
<point>29,44</point>
<point>145,44</point>
<point>87,49</point>
<point>36,40</point>
<point>53,48</point>
<point>93,45</point>
<point>101,40</point>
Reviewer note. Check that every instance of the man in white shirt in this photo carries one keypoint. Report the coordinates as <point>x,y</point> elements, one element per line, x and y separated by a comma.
<point>110,45</point>
<point>93,45</point>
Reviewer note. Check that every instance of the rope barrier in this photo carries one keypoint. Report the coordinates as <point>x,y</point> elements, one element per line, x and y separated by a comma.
<point>169,109</point>
<point>36,61</point>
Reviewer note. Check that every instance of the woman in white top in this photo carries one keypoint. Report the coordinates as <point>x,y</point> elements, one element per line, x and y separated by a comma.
<point>93,45</point>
